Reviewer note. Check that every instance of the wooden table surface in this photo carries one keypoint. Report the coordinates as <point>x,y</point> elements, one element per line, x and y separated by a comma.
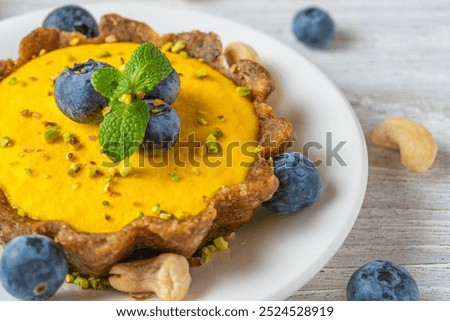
<point>390,58</point>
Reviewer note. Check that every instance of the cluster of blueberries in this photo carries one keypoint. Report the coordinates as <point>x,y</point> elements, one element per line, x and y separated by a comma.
<point>33,267</point>
<point>77,99</point>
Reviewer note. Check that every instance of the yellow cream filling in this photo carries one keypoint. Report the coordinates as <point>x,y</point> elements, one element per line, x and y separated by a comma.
<point>38,177</point>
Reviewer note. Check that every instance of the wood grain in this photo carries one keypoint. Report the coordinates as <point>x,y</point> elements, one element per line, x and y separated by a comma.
<point>390,58</point>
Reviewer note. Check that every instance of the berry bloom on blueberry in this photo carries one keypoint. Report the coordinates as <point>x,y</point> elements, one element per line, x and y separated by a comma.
<point>313,27</point>
<point>32,267</point>
<point>72,18</point>
<point>382,281</point>
<point>300,184</point>
<point>76,97</point>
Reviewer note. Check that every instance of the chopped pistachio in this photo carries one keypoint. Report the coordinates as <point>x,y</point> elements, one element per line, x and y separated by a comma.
<point>158,102</point>
<point>174,176</point>
<point>166,216</point>
<point>140,214</point>
<point>106,187</point>
<point>217,132</point>
<point>73,169</point>
<point>167,46</point>
<point>221,243</point>
<point>140,95</point>
<point>81,71</point>
<point>202,121</point>
<point>81,282</point>
<point>178,46</point>
<point>106,110</point>
<point>94,282</point>
<point>195,171</point>
<point>13,81</point>
<point>200,74</point>
<point>21,212</point>
<point>126,99</point>
<point>74,41</point>
<point>69,278</point>
<point>87,282</point>
<point>25,113</point>
<point>42,52</point>
<point>212,147</point>
<point>184,54</point>
<point>105,203</point>
<point>156,209</point>
<point>243,91</point>
<point>28,171</point>
<point>112,171</point>
<point>71,139</point>
<point>125,171</point>
<point>205,255</point>
<point>36,115</point>
<point>94,171</point>
<point>103,54</point>
<point>210,138</point>
<point>51,134</point>
<point>5,141</point>
<point>69,156</point>
<point>256,149</point>
<point>50,124</point>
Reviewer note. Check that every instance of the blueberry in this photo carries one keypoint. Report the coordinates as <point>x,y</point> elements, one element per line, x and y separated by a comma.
<point>72,18</point>
<point>75,95</point>
<point>300,184</point>
<point>32,267</point>
<point>167,89</point>
<point>382,281</point>
<point>164,127</point>
<point>314,27</point>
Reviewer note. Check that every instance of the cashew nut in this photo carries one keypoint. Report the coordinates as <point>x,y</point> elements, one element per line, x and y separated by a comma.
<point>236,51</point>
<point>416,144</point>
<point>166,275</point>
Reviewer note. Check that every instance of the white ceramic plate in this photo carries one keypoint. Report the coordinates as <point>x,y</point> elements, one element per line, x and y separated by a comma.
<point>272,256</point>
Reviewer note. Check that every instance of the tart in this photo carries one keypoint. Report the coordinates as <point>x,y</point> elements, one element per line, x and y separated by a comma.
<point>99,217</point>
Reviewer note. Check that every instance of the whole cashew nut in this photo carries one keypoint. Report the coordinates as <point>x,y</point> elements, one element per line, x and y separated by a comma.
<point>166,275</point>
<point>236,51</point>
<point>416,144</point>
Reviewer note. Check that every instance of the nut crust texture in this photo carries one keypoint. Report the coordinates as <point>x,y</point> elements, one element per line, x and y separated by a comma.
<point>231,207</point>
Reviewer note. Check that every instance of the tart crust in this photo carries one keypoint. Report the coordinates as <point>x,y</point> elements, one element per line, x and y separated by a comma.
<point>231,207</point>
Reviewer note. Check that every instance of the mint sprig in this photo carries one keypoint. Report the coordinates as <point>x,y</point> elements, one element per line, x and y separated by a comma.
<point>123,128</point>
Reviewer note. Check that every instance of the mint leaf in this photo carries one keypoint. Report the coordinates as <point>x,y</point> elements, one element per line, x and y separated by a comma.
<point>105,81</point>
<point>147,67</point>
<point>123,129</point>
